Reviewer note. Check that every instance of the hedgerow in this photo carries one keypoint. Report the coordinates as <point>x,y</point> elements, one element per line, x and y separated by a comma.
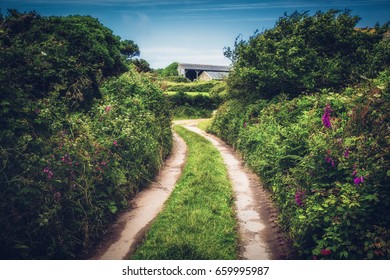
<point>198,106</point>
<point>75,141</point>
<point>313,123</point>
<point>65,180</point>
<point>193,87</point>
<point>325,157</point>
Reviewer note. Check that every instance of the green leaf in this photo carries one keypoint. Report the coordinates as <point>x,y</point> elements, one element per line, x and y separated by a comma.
<point>112,207</point>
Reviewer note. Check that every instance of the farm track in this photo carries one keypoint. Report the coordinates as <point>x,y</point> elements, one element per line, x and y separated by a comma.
<point>129,229</point>
<point>260,237</point>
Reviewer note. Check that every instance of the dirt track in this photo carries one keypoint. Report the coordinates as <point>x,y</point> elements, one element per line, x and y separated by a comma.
<point>260,237</point>
<point>131,226</point>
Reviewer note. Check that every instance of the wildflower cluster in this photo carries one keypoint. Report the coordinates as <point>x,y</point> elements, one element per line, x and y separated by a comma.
<point>358,179</point>
<point>330,161</point>
<point>67,160</point>
<point>48,172</point>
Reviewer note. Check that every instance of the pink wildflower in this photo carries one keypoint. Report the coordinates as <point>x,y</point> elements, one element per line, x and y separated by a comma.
<point>107,109</point>
<point>326,252</point>
<point>326,116</point>
<point>299,196</point>
<point>115,143</point>
<point>66,159</point>
<point>330,161</point>
<point>346,153</point>
<point>48,172</point>
<point>358,180</point>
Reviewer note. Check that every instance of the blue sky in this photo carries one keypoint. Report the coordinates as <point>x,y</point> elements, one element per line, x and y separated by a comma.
<point>191,31</point>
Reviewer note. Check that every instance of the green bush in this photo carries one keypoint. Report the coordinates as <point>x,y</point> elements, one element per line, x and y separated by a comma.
<point>177,79</point>
<point>193,86</point>
<point>325,157</point>
<point>228,121</point>
<point>64,179</point>
<point>170,70</point>
<point>219,90</point>
<point>193,106</point>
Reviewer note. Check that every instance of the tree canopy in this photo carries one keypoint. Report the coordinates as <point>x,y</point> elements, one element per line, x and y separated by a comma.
<point>305,53</point>
<point>71,54</point>
<point>129,49</point>
<point>171,70</point>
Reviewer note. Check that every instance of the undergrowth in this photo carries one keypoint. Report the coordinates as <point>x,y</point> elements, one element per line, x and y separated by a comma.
<point>325,157</point>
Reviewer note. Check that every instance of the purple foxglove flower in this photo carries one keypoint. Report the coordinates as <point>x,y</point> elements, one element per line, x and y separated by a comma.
<point>326,116</point>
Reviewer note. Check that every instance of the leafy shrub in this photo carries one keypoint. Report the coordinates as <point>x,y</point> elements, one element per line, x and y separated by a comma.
<point>325,157</point>
<point>171,70</point>
<point>228,121</point>
<point>193,106</point>
<point>192,87</point>
<point>219,90</point>
<point>178,79</point>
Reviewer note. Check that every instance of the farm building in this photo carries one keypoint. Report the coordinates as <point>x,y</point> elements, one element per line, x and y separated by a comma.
<point>208,76</point>
<point>195,71</point>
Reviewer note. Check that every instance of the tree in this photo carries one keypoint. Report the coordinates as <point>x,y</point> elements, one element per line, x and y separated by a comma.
<point>141,65</point>
<point>129,49</point>
<point>170,70</point>
<point>71,54</point>
<point>301,53</point>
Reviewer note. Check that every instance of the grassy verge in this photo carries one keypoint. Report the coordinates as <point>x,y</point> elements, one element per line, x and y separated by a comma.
<point>198,220</point>
<point>203,125</point>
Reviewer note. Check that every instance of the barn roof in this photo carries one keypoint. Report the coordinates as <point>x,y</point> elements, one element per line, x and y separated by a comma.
<point>204,67</point>
<point>216,75</point>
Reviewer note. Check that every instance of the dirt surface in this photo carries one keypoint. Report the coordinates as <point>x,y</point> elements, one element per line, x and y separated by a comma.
<point>124,235</point>
<point>260,236</point>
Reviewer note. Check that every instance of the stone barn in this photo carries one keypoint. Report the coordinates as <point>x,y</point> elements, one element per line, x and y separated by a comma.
<point>195,71</point>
